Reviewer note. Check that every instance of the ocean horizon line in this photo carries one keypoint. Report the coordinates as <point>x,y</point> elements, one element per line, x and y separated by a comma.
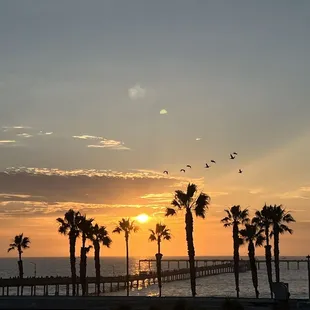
<point>164,257</point>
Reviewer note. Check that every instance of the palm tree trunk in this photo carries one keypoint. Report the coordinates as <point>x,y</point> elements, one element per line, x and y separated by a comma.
<point>251,253</point>
<point>82,271</point>
<point>236,256</point>
<point>268,261</point>
<point>20,266</point>
<point>85,270</point>
<point>72,242</point>
<point>276,254</point>
<point>158,266</point>
<point>127,264</point>
<point>97,266</point>
<point>190,249</point>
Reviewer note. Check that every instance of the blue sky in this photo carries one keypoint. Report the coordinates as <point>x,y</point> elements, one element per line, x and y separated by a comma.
<point>234,73</point>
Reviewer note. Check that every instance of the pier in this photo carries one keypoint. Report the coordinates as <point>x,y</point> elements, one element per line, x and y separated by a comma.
<point>57,286</point>
<point>180,263</point>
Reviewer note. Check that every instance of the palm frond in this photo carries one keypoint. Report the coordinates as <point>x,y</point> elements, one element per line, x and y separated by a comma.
<point>136,229</point>
<point>117,230</point>
<point>175,203</point>
<point>288,218</point>
<point>225,220</point>
<point>170,212</point>
<point>240,241</point>
<point>167,237</point>
<point>25,243</point>
<point>260,241</point>
<point>229,216</point>
<point>152,238</point>
<point>201,205</point>
<point>181,198</point>
<point>191,190</point>
<point>106,241</point>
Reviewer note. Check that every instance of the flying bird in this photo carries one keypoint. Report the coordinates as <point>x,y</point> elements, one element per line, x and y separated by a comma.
<point>188,166</point>
<point>213,161</point>
<point>207,166</point>
<point>165,172</point>
<point>232,157</point>
<point>182,170</point>
<point>235,153</point>
<point>240,171</point>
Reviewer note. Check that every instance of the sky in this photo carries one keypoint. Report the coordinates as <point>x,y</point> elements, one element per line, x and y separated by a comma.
<point>98,98</point>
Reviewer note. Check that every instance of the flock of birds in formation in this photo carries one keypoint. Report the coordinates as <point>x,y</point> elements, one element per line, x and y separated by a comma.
<point>232,156</point>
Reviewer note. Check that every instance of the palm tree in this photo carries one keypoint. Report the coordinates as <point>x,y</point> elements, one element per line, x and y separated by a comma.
<point>264,220</point>
<point>85,227</point>
<point>69,226</point>
<point>280,217</point>
<point>20,243</point>
<point>161,233</point>
<point>190,201</point>
<point>252,234</point>
<point>127,227</point>
<point>235,217</point>
<point>99,235</point>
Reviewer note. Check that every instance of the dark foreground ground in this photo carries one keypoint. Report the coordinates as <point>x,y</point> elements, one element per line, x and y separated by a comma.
<point>146,303</point>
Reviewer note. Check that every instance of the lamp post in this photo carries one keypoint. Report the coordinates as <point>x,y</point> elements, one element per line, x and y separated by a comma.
<point>35,268</point>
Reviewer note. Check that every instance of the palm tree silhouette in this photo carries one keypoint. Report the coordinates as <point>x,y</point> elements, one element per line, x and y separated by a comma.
<point>235,217</point>
<point>190,201</point>
<point>280,217</point>
<point>85,226</point>
<point>263,219</point>
<point>127,227</point>
<point>99,235</point>
<point>253,235</point>
<point>160,234</point>
<point>68,226</point>
<point>20,243</point>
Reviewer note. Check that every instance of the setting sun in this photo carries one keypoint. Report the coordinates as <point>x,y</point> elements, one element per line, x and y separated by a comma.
<point>142,218</point>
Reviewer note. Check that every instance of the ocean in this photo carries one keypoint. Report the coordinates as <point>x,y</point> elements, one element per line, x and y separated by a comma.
<point>217,286</point>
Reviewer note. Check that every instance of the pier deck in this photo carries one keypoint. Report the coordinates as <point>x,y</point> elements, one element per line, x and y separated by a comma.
<point>108,284</point>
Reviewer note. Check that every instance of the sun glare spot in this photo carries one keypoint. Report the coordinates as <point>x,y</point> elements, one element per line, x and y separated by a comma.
<point>142,218</point>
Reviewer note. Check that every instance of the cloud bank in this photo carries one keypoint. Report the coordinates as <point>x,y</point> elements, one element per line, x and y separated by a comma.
<point>35,188</point>
<point>110,144</point>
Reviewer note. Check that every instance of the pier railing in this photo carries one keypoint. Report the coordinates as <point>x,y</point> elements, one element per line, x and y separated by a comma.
<point>62,285</point>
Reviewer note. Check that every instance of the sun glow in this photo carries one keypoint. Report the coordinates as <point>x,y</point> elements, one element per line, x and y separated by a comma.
<point>142,218</point>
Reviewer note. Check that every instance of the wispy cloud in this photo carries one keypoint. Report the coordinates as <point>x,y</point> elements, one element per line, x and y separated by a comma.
<point>300,193</point>
<point>140,174</point>
<point>88,137</point>
<point>110,144</point>
<point>305,189</point>
<point>42,133</point>
<point>11,128</point>
<point>159,198</point>
<point>136,92</point>
<point>255,191</point>
<point>163,111</point>
<point>7,142</point>
<point>24,135</point>
<point>296,194</point>
<point>217,194</point>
